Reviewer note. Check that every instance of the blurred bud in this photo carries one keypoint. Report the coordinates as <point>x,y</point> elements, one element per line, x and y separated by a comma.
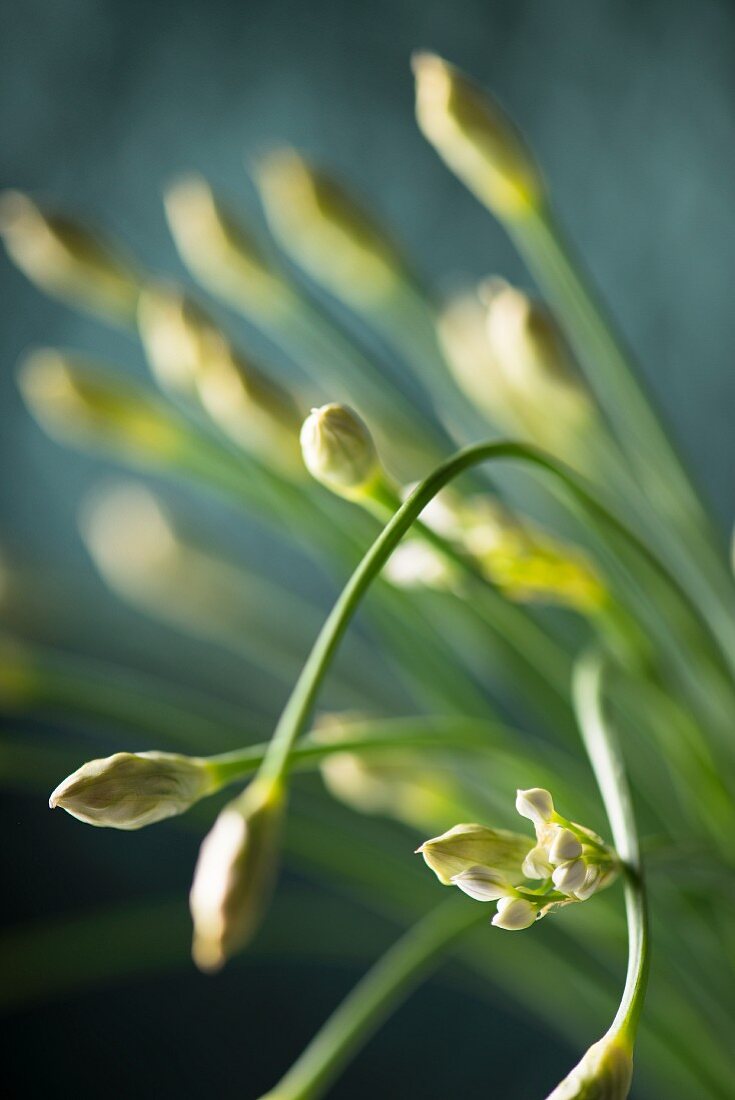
<point>235,873</point>
<point>532,356</point>
<point>78,402</point>
<point>528,564</point>
<point>475,138</point>
<point>462,332</point>
<point>415,564</point>
<point>339,451</point>
<point>189,354</point>
<point>482,884</point>
<point>467,847</point>
<point>605,1073</point>
<point>325,231</point>
<point>515,914</point>
<point>176,334</point>
<point>393,784</point>
<point>131,789</point>
<point>65,260</point>
<point>564,846</point>
<point>218,250</point>
<point>536,804</point>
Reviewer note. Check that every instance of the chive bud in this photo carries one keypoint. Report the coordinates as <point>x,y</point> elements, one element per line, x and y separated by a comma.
<point>604,1073</point>
<point>235,873</point>
<point>67,261</point>
<point>475,138</point>
<point>339,451</point>
<point>132,789</point>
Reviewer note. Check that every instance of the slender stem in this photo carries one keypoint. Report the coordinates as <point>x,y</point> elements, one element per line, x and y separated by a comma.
<point>298,708</point>
<point>373,998</point>
<point>667,489</point>
<point>423,733</point>
<point>607,763</point>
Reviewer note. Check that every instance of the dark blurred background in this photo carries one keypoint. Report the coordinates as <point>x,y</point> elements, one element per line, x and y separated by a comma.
<point>631,109</point>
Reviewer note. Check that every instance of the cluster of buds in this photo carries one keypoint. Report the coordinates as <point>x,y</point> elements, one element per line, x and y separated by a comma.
<point>568,863</point>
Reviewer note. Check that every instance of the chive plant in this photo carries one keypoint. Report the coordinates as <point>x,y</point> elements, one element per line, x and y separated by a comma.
<point>613,622</point>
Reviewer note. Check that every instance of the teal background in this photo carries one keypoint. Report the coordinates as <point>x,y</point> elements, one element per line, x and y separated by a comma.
<point>631,109</point>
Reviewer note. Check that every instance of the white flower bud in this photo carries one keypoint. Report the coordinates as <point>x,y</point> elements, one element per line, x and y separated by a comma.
<point>323,228</point>
<point>568,877</point>
<point>514,914</point>
<point>467,847</point>
<point>234,873</point>
<point>604,1073</point>
<point>592,882</point>
<point>66,260</point>
<point>536,804</point>
<point>338,450</point>
<point>131,789</point>
<point>536,864</point>
<point>564,846</point>
<point>475,138</point>
<point>482,884</point>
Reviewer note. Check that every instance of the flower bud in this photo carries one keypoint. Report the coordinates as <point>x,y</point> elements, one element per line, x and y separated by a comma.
<point>536,804</point>
<point>218,250</point>
<point>339,451</point>
<point>536,864</point>
<point>515,914</point>
<point>564,846</point>
<point>415,564</point>
<point>131,789</point>
<point>467,847</point>
<point>177,336</point>
<point>594,880</point>
<point>80,403</point>
<point>568,877</point>
<point>66,260</point>
<point>604,1073</point>
<point>189,354</point>
<point>475,138</point>
<point>325,231</point>
<point>235,872</point>
<point>482,884</point>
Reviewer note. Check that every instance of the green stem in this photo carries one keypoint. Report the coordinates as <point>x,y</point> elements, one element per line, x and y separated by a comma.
<point>607,763</point>
<point>658,469</point>
<point>404,733</point>
<point>372,999</point>
<point>298,708</point>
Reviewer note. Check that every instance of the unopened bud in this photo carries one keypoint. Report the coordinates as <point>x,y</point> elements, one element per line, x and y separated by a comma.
<point>604,1073</point>
<point>482,884</point>
<point>536,864</point>
<point>188,353</point>
<point>568,877</point>
<point>81,403</point>
<point>475,138</point>
<point>65,260</point>
<point>235,873</point>
<point>536,804</point>
<point>467,847</point>
<point>177,336</point>
<point>339,451</point>
<point>564,846</point>
<point>218,250</point>
<point>131,789</point>
<point>515,914</point>
<point>325,231</point>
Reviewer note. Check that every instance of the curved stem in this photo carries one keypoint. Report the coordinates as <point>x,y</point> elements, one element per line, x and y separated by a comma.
<point>607,763</point>
<point>298,708</point>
